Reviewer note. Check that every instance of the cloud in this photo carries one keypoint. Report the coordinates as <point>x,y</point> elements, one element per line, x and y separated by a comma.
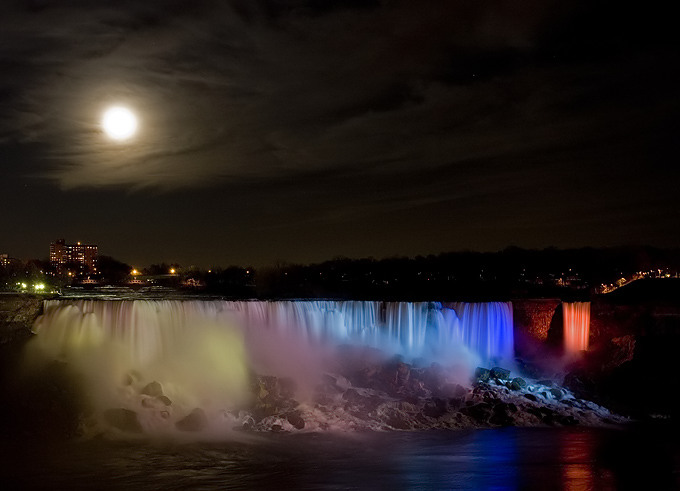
<point>231,92</point>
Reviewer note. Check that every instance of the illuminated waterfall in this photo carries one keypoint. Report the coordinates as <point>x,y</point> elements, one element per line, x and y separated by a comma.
<point>576,317</point>
<point>418,329</point>
<point>161,359</point>
<point>487,329</point>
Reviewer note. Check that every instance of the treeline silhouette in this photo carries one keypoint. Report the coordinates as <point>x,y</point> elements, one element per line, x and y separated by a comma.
<point>513,272</point>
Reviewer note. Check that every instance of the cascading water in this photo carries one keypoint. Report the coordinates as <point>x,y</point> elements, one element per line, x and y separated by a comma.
<point>487,329</point>
<point>171,356</point>
<point>576,317</point>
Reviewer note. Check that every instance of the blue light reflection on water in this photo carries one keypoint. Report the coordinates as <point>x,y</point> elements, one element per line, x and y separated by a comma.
<point>474,460</point>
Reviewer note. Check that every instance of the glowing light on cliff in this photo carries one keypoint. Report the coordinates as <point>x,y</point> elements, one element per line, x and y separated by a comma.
<point>576,326</point>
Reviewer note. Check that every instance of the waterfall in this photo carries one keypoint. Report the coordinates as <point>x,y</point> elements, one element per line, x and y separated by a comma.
<point>418,329</point>
<point>487,330</point>
<point>576,326</point>
<point>159,360</point>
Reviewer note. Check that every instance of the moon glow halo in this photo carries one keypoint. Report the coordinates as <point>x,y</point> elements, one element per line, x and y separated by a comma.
<point>119,123</point>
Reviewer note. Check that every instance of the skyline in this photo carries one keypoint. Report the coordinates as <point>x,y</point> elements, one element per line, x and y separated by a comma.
<point>302,130</point>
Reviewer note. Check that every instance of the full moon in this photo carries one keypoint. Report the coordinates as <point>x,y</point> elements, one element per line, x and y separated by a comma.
<point>119,123</point>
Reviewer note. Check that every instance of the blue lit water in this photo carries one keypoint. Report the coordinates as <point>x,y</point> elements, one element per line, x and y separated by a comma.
<point>644,458</point>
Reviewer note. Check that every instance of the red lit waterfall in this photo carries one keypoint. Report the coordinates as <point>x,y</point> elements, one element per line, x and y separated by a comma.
<point>576,326</point>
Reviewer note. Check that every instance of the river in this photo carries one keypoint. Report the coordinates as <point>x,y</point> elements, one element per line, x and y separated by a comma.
<point>634,457</point>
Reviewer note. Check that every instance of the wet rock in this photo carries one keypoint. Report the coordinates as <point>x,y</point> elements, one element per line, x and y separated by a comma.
<point>516,383</point>
<point>295,419</point>
<point>196,420</point>
<point>500,373</point>
<point>580,383</point>
<point>531,397</point>
<point>482,374</point>
<point>123,419</point>
<point>153,389</point>
<point>556,393</point>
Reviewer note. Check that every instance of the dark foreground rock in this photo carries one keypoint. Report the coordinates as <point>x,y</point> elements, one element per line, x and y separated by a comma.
<point>398,396</point>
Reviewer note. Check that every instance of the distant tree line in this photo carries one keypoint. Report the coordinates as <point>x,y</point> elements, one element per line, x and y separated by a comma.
<point>511,273</point>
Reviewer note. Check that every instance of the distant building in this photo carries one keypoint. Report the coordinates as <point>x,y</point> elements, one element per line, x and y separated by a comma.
<point>4,260</point>
<point>80,256</point>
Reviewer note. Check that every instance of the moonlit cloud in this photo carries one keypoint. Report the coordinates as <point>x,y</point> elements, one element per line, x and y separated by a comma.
<point>343,115</point>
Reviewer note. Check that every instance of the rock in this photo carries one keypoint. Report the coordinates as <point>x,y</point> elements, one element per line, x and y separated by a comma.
<point>531,397</point>
<point>581,384</point>
<point>501,414</point>
<point>435,408</point>
<point>153,389</point>
<point>123,419</point>
<point>287,387</point>
<point>396,419</point>
<point>295,419</point>
<point>402,375</point>
<point>618,351</point>
<point>480,412</point>
<point>500,373</point>
<point>165,400</point>
<point>148,402</point>
<point>456,403</point>
<point>263,410</point>
<point>517,383</point>
<point>566,420</point>
<point>556,393</point>
<point>453,391</point>
<point>336,382</point>
<point>355,397</point>
<point>482,374</point>
<point>434,377</point>
<point>196,420</point>
<point>408,407</point>
<point>248,424</point>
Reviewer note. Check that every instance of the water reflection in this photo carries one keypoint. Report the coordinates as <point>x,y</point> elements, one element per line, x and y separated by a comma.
<point>470,460</point>
<point>564,459</point>
<point>580,469</point>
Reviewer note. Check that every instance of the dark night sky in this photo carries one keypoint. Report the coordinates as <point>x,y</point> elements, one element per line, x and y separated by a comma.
<point>305,129</point>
